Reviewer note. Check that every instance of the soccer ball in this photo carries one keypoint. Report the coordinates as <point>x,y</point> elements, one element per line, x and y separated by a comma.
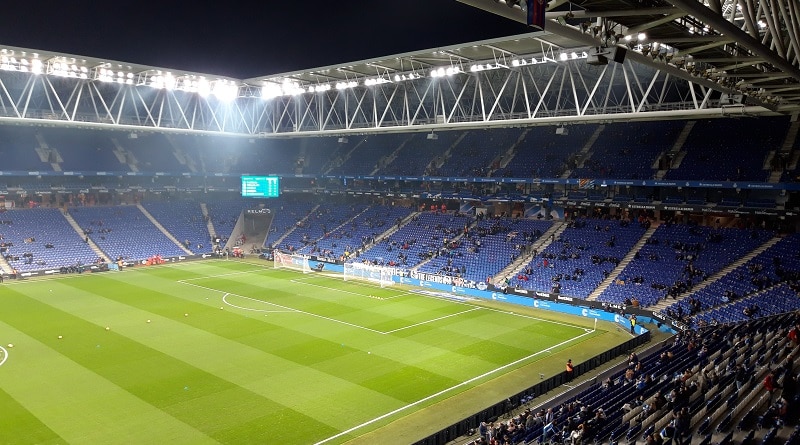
<point>148,321</point>
<point>108,328</point>
<point>10,345</point>
<point>185,315</point>
<point>60,337</point>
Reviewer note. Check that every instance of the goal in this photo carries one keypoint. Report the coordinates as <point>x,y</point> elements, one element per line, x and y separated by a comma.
<point>289,261</point>
<point>368,272</point>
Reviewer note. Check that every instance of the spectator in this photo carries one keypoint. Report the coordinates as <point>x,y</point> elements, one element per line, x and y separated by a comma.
<point>771,383</point>
<point>569,373</point>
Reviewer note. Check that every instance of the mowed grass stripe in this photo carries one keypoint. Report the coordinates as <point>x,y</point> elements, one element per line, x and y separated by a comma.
<point>390,361</point>
<point>485,339</point>
<point>321,368</point>
<point>18,425</point>
<point>275,373</point>
<point>380,315</point>
<point>205,401</point>
<point>73,401</point>
<point>348,360</point>
<point>508,342</point>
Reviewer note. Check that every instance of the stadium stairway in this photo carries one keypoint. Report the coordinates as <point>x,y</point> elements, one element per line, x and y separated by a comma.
<point>4,265</point>
<point>623,263</point>
<point>391,157</point>
<point>124,156</point>
<point>95,248</point>
<point>586,152</point>
<point>665,303</point>
<point>437,164</point>
<point>392,229</point>
<point>162,229</point>
<point>676,152</point>
<point>514,268</point>
<point>302,220</point>
<point>507,156</point>
<point>456,238</point>
<point>210,224</point>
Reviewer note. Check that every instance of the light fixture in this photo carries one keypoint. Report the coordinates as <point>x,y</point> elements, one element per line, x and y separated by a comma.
<point>270,90</point>
<point>346,85</point>
<point>225,90</point>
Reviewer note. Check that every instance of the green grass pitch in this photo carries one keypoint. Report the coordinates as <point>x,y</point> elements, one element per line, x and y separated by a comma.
<point>236,352</point>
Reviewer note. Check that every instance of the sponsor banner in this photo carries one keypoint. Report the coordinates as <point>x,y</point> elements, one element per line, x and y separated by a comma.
<point>579,182</point>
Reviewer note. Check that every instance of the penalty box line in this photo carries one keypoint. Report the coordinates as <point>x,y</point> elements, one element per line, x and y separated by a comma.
<point>452,388</point>
<point>304,282</point>
<point>287,309</point>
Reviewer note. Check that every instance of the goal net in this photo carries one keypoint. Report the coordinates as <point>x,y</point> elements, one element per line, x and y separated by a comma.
<point>368,272</point>
<point>289,261</point>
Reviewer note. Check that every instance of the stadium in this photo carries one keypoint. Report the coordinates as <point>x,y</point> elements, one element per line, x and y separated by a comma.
<point>587,233</point>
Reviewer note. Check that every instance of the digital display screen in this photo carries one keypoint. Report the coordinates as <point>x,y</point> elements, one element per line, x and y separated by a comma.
<point>261,186</point>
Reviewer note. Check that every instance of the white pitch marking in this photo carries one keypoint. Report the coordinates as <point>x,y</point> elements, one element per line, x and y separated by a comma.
<point>5,356</point>
<point>432,320</point>
<point>293,310</point>
<point>220,275</point>
<point>444,391</point>
<point>529,317</point>
<point>224,299</point>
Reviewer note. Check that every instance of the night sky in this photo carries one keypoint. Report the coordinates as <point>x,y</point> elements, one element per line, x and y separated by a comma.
<point>243,40</point>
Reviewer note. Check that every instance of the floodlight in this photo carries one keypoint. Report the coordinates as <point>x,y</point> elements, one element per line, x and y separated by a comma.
<point>270,90</point>
<point>224,90</point>
<point>203,87</point>
<point>642,36</point>
<point>563,56</point>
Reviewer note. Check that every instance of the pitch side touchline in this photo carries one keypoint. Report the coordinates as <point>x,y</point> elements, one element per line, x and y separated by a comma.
<point>530,317</point>
<point>446,390</point>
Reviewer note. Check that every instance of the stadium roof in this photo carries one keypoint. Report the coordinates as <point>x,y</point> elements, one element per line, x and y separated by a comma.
<point>749,47</point>
<point>596,60</point>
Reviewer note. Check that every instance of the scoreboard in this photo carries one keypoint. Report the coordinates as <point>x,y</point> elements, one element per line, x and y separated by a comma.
<point>261,186</point>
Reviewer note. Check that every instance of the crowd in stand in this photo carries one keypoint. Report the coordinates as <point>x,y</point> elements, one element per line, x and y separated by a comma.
<point>686,375</point>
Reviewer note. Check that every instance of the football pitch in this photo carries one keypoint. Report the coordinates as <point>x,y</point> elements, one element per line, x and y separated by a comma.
<point>237,352</point>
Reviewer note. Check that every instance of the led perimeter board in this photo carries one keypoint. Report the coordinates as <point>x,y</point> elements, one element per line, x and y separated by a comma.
<point>261,186</point>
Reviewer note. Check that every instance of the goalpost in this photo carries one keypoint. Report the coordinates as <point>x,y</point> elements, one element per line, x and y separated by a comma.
<point>290,261</point>
<point>367,272</point>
